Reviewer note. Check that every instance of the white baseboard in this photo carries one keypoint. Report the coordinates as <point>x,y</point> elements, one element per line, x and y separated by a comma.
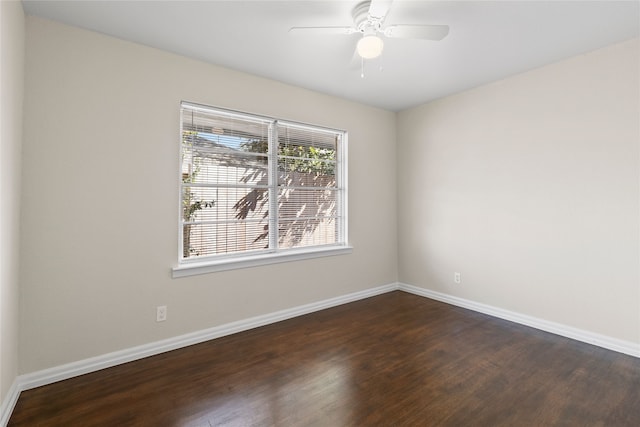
<point>81,367</point>
<point>603,341</point>
<point>59,373</point>
<point>9,402</point>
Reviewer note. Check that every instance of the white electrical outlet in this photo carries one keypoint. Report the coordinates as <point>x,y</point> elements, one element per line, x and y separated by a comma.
<point>456,278</point>
<point>161,313</point>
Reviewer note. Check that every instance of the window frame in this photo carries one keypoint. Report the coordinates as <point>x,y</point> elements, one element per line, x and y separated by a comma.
<point>272,254</point>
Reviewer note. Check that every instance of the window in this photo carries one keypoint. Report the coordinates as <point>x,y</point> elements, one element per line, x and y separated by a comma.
<point>258,189</point>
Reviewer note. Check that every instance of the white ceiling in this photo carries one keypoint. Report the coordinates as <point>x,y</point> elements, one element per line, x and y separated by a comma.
<point>488,40</point>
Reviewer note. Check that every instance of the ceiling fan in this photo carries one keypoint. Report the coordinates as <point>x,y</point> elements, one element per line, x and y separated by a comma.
<point>368,19</point>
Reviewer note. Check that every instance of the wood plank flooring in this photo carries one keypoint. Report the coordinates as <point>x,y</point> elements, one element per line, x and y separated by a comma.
<point>392,360</point>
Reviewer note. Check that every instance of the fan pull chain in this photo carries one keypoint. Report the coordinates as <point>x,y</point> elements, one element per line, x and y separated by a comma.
<point>361,67</point>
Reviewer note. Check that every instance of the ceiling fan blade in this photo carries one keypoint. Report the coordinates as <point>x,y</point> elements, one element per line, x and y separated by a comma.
<point>379,8</point>
<point>425,32</point>
<point>322,31</point>
<point>356,61</point>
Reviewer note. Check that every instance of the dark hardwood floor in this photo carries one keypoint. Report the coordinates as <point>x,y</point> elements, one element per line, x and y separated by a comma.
<point>392,360</point>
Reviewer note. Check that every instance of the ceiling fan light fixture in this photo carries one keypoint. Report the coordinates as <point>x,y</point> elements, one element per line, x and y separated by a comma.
<point>370,47</point>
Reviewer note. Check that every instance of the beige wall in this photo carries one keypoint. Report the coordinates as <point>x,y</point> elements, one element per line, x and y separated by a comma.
<point>529,187</point>
<point>11,87</point>
<point>100,199</point>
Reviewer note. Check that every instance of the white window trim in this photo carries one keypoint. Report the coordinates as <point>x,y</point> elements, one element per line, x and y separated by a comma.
<point>214,264</point>
<point>238,262</point>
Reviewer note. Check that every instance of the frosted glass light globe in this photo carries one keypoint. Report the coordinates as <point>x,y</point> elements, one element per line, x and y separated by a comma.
<point>370,47</point>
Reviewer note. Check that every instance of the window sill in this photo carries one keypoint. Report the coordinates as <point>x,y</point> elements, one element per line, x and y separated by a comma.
<point>212,266</point>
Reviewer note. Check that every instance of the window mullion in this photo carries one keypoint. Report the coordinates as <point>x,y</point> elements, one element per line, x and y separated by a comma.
<point>273,185</point>
<point>341,183</point>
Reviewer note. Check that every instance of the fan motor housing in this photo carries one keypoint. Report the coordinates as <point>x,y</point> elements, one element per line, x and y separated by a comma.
<point>361,13</point>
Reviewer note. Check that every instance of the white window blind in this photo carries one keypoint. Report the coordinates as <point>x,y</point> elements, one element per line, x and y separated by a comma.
<point>253,185</point>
